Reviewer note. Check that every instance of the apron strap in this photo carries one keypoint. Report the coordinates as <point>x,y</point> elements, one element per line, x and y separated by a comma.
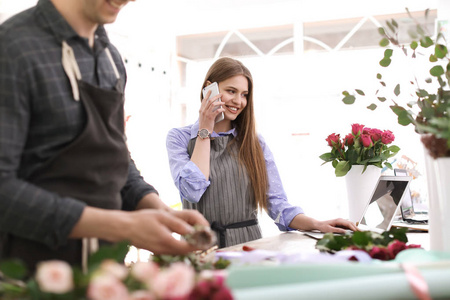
<point>89,246</point>
<point>221,229</point>
<point>72,70</point>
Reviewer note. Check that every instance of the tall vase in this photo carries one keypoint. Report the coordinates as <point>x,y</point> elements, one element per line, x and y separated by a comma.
<point>442,174</point>
<point>359,188</point>
<point>434,207</point>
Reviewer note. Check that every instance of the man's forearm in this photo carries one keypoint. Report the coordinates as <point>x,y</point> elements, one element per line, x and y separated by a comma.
<point>152,200</point>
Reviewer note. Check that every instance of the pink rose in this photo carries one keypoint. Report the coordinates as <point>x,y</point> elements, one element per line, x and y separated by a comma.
<point>114,268</point>
<point>141,295</point>
<point>387,137</point>
<point>375,134</point>
<point>54,276</point>
<point>395,247</point>
<point>145,272</point>
<point>366,140</point>
<point>177,281</point>
<point>357,128</point>
<point>349,139</point>
<point>334,140</point>
<point>379,253</point>
<point>106,287</point>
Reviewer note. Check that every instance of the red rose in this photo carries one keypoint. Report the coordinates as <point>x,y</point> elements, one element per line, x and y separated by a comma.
<point>349,139</point>
<point>387,137</point>
<point>334,140</point>
<point>366,140</point>
<point>375,134</point>
<point>357,128</point>
<point>413,246</point>
<point>379,253</point>
<point>395,247</point>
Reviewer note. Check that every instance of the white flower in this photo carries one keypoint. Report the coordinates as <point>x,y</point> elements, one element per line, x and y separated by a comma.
<point>54,276</point>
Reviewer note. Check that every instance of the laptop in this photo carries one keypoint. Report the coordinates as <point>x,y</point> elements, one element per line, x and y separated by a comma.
<point>410,218</point>
<point>407,207</point>
<point>382,206</point>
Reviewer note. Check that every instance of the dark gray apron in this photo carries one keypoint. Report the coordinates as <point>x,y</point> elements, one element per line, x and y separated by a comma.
<point>93,169</point>
<point>228,203</point>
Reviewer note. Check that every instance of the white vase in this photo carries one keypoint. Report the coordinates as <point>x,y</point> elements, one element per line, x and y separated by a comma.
<point>359,189</point>
<point>434,209</point>
<point>442,173</point>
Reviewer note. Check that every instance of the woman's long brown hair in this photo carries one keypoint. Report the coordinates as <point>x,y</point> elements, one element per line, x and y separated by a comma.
<point>250,152</point>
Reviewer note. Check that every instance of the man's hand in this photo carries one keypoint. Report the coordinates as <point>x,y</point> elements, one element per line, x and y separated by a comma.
<point>149,229</point>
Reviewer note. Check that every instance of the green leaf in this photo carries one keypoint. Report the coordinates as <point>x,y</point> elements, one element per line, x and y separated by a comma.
<point>382,99</point>
<point>402,114</point>
<point>385,62</point>
<point>381,31</point>
<point>426,42</point>
<point>388,165</point>
<point>384,42</point>
<point>327,157</point>
<point>345,93</point>
<point>349,99</point>
<point>440,51</point>
<point>428,80</point>
<point>437,71</point>
<point>372,106</point>
<point>361,238</point>
<point>394,148</point>
<point>14,269</point>
<point>433,58</point>
<point>414,45</point>
<point>390,26</point>
<point>379,76</point>
<point>115,252</point>
<point>388,53</point>
<point>342,168</point>
<point>397,90</point>
<point>360,92</point>
<point>394,23</point>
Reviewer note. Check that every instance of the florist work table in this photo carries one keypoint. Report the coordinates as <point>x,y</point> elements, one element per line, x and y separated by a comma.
<point>323,277</point>
<point>295,241</point>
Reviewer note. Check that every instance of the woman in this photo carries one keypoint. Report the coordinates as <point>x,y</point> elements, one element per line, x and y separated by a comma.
<point>226,171</point>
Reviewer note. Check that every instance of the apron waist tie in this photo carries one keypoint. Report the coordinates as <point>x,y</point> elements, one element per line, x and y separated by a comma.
<point>221,229</point>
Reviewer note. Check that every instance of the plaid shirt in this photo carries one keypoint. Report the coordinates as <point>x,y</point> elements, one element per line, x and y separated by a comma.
<point>38,118</point>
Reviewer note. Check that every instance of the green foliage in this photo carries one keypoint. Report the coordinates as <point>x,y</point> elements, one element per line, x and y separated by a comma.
<point>429,108</point>
<point>364,240</point>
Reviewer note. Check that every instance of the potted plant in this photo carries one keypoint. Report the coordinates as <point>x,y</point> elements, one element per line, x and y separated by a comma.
<point>363,146</point>
<point>427,109</point>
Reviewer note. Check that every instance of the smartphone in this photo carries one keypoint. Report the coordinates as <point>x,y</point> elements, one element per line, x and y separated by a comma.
<point>214,88</point>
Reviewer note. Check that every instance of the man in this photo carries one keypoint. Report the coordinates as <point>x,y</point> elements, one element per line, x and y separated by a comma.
<point>65,171</point>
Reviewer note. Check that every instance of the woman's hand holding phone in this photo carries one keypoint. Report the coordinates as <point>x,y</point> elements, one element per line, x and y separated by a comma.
<point>212,96</point>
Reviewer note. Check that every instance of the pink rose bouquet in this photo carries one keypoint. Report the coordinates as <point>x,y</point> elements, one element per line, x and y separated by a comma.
<point>165,277</point>
<point>362,146</point>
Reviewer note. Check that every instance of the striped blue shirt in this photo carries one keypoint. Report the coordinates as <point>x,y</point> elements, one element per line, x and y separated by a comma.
<point>191,182</point>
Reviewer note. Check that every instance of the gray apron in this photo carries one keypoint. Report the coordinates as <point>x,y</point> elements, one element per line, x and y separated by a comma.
<point>93,168</point>
<point>228,203</point>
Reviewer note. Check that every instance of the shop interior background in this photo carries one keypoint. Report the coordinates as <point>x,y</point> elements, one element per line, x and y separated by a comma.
<point>302,55</point>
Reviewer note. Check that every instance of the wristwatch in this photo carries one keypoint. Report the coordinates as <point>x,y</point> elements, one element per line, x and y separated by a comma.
<point>204,134</point>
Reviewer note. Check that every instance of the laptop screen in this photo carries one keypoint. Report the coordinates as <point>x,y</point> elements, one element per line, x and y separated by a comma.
<point>384,202</point>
